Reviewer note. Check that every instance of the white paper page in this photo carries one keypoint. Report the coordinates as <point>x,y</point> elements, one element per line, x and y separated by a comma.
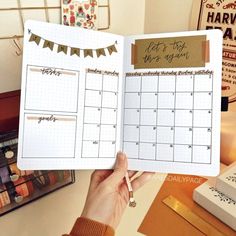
<point>70,102</point>
<point>171,120</point>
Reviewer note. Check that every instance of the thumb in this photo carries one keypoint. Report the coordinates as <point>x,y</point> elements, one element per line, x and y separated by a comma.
<point>120,170</point>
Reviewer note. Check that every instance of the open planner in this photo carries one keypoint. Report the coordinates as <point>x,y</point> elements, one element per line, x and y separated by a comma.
<point>87,94</point>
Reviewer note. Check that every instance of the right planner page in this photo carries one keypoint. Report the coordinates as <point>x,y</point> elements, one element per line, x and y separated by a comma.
<point>172,102</point>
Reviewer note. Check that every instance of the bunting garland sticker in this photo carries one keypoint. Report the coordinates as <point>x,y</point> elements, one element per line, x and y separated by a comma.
<point>87,52</point>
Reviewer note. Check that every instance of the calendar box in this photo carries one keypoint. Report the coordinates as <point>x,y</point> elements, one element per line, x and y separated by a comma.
<point>165,152</point>
<point>183,135</point>
<point>167,83</point>
<point>107,149</point>
<point>91,132</point>
<point>147,151</point>
<point>203,83</point>
<point>131,133</point>
<point>202,118</point>
<point>166,100</point>
<point>165,117</point>
<point>92,115</point>
<point>132,100</point>
<point>183,153</point>
<point>184,100</point>
<point>110,83</point>
<point>202,154</point>
<point>108,116</point>
<point>148,100</point>
<point>165,135</point>
<point>93,98</point>
<point>133,84</point>
<point>202,136</point>
<point>131,116</point>
<point>184,118</point>
<point>148,117</point>
<point>147,134</point>
<point>90,149</point>
<point>109,100</point>
<point>150,84</point>
<point>131,149</point>
<point>203,101</point>
<point>108,133</point>
<point>94,81</point>
<point>184,83</point>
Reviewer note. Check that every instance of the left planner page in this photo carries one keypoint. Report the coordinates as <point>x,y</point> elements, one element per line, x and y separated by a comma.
<point>70,98</point>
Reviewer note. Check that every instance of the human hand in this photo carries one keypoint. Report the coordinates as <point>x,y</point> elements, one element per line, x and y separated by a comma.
<point>108,193</point>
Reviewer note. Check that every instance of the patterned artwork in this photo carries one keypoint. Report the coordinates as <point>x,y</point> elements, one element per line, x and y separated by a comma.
<point>80,13</point>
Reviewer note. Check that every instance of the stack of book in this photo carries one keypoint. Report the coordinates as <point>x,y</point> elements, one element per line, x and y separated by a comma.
<point>218,196</point>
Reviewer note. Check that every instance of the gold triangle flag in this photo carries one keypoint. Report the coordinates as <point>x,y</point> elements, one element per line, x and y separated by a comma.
<point>112,49</point>
<point>88,52</point>
<point>48,44</point>
<point>100,51</point>
<point>35,38</point>
<point>75,51</point>
<point>62,48</point>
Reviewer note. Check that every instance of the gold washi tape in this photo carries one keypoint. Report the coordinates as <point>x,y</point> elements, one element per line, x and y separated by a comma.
<point>191,217</point>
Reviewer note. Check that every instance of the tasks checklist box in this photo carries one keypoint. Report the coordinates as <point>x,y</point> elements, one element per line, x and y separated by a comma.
<point>87,95</point>
<point>51,89</point>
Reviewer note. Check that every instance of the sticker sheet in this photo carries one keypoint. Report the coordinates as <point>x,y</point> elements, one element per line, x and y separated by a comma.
<point>88,94</point>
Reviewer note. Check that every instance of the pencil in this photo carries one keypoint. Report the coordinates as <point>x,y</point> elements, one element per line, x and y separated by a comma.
<point>132,202</point>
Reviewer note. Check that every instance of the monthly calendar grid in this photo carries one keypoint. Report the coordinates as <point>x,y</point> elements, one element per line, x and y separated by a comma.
<point>104,116</point>
<point>189,127</point>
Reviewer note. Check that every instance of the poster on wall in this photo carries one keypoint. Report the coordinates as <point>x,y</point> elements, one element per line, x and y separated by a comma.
<point>221,14</point>
<point>80,13</point>
<point>212,14</point>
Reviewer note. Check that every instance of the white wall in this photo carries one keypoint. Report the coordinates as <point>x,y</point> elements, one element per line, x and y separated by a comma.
<point>167,16</point>
<point>127,16</point>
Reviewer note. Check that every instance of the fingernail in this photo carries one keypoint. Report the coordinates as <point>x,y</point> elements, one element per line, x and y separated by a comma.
<point>121,155</point>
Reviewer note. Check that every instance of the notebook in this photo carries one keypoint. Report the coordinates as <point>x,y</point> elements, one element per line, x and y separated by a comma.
<point>87,94</point>
<point>226,182</point>
<point>216,202</point>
